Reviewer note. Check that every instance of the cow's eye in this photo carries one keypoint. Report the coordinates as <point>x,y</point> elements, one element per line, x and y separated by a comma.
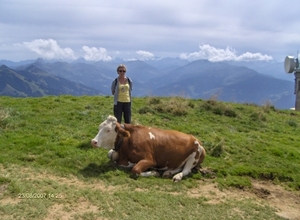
<point>107,131</point>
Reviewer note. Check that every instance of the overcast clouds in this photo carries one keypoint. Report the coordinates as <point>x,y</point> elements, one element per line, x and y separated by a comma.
<point>135,29</point>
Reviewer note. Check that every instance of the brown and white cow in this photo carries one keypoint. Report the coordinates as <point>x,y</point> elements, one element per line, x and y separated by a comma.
<point>144,148</point>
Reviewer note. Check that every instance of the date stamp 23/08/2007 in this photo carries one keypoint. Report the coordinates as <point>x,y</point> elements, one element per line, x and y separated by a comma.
<point>39,196</point>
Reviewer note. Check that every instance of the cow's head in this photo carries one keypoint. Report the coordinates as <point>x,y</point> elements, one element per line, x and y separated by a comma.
<point>107,134</point>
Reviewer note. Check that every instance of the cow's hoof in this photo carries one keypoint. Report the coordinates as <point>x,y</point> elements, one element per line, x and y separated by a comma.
<point>154,173</point>
<point>167,175</point>
<point>177,177</point>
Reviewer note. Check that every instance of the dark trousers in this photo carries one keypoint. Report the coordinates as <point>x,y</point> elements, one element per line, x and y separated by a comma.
<point>123,108</point>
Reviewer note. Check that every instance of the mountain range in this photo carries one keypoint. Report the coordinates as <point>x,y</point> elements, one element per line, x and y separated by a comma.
<point>244,82</point>
<point>34,82</point>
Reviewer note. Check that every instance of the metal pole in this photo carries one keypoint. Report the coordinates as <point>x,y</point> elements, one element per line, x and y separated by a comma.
<point>297,90</point>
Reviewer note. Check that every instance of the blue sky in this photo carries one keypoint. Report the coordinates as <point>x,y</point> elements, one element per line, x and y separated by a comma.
<point>134,29</point>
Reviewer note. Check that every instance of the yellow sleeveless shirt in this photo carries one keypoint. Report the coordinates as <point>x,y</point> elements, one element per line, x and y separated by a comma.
<point>124,92</point>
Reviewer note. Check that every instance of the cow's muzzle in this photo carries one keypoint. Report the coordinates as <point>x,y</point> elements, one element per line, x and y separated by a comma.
<point>94,143</point>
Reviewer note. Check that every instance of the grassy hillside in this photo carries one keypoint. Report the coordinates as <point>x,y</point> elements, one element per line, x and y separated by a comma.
<point>49,170</point>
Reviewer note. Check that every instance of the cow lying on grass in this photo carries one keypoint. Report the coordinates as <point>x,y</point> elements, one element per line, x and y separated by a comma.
<point>144,148</point>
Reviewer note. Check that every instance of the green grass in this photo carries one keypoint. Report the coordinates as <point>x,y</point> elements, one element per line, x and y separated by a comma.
<point>45,148</point>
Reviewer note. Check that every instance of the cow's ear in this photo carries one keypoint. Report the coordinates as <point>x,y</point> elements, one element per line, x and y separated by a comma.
<point>123,133</point>
<point>127,134</point>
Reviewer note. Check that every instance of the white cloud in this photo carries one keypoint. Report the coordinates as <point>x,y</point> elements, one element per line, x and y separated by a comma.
<point>49,49</point>
<point>95,54</point>
<point>145,55</point>
<point>216,55</point>
<point>253,56</point>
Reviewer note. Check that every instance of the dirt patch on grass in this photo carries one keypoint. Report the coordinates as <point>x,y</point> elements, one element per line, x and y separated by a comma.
<point>287,203</point>
<point>71,211</point>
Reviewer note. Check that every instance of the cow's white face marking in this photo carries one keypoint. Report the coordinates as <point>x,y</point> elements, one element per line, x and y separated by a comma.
<point>151,135</point>
<point>106,135</point>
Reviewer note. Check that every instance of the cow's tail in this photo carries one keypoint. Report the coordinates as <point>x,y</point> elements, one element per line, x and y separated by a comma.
<point>202,155</point>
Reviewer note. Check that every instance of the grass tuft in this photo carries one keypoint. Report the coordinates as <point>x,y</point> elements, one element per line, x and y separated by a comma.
<point>4,115</point>
<point>218,108</point>
<point>175,106</point>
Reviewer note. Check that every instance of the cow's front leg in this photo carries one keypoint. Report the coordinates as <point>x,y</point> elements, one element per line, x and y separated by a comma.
<point>150,173</point>
<point>143,165</point>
